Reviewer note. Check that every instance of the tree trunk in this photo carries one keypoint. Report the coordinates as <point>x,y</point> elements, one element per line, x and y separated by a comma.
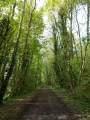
<point>25,61</point>
<point>71,36</point>
<point>6,80</point>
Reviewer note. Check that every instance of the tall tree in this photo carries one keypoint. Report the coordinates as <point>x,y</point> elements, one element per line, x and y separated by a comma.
<point>9,73</point>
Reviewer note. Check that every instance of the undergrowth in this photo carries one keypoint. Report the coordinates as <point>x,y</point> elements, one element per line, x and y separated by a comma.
<point>77,100</point>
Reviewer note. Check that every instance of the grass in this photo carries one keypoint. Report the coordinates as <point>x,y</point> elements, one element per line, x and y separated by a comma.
<point>82,105</point>
<point>12,107</point>
<point>24,95</point>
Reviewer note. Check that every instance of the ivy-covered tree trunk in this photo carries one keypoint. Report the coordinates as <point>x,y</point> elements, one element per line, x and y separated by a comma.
<point>9,73</point>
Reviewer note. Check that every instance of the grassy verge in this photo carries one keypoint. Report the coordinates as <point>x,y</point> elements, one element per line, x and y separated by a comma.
<point>82,105</point>
<point>9,100</point>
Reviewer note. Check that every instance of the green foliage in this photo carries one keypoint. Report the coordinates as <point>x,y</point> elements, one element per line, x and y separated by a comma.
<point>62,61</point>
<point>71,59</point>
<point>22,81</point>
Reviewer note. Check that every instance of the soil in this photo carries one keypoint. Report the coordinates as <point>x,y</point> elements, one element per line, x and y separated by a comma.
<point>47,105</point>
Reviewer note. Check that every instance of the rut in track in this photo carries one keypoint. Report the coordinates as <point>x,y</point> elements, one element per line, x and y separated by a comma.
<point>46,105</point>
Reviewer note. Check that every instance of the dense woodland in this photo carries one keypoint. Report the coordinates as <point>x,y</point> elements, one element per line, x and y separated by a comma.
<point>55,52</point>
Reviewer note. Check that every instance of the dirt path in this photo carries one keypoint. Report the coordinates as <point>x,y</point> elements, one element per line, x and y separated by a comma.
<point>46,105</point>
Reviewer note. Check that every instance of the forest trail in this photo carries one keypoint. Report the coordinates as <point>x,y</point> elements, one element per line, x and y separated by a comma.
<point>47,105</point>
